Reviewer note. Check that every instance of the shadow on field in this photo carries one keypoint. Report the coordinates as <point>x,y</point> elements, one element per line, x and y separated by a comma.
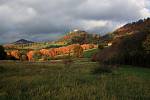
<point>104,69</point>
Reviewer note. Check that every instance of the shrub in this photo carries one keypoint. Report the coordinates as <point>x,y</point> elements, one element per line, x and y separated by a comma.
<point>24,58</point>
<point>100,46</point>
<point>103,69</point>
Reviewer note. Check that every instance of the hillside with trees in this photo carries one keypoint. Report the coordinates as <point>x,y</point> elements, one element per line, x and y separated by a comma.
<point>79,37</point>
<point>129,49</point>
<point>130,28</point>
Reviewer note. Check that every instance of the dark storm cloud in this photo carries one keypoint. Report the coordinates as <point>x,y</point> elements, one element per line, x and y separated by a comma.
<point>118,10</point>
<point>46,19</point>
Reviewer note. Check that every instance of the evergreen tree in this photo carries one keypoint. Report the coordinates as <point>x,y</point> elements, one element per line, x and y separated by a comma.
<point>2,53</point>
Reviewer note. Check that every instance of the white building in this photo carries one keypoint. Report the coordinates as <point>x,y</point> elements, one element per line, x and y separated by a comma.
<point>109,44</point>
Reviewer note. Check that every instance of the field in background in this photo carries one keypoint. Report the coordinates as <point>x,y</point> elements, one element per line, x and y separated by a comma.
<point>33,46</point>
<point>90,53</point>
<point>56,81</point>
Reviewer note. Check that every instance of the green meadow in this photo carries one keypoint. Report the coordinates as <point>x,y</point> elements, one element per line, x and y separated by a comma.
<point>81,80</point>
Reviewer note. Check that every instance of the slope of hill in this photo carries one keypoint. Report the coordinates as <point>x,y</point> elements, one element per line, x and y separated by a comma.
<point>132,28</point>
<point>22,41</point>
<point>128,29</point>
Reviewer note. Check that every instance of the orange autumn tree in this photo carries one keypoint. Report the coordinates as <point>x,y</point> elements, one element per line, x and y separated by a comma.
<point>30,55</point>
<point>44,52</point>
<point>88,46</point>
<point>37,55</point>
<point>78,51</point>
<point>34,55</point>
<point>53,52</point>
<point>15,53</point>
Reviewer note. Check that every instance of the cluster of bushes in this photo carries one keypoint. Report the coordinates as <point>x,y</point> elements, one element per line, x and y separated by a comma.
<point>8,56</point>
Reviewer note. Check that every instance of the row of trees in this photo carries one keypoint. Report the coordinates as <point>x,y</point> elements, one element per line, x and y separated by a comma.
<point>75,50</point>
<point>45,54</point>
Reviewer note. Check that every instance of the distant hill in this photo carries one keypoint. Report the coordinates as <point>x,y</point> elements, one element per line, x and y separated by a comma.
<point>72,34</point>
<point>79,36</point>
<point>22,41</point>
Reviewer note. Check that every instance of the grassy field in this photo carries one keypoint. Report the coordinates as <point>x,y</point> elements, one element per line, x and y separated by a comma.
<point>90,53</point>
<point>56,81</point>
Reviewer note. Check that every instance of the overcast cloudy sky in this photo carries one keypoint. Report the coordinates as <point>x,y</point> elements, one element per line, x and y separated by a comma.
<point>39,20</point>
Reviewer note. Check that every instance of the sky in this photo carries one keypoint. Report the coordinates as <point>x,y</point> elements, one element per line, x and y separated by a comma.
<point>42,20</point>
